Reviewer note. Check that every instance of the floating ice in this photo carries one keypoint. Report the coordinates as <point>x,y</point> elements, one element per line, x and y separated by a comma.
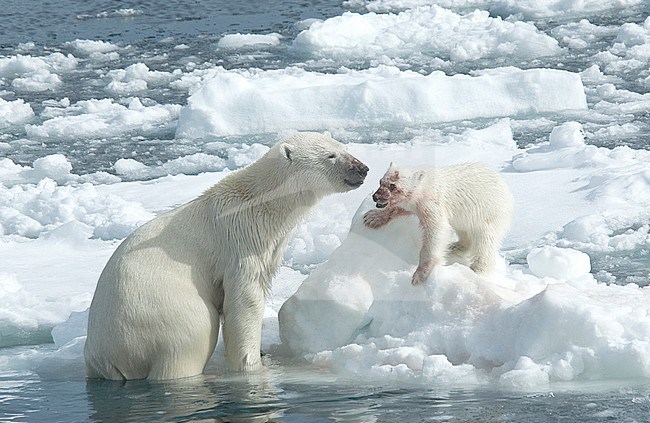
<point>138,77</point>
<point>29,73</point>
<point>24,318</point>
<point>245,102</point>
<point>401,5</point>
<point>238,41</point>
<point>14,113</point>
<point>55,166</point>
<point>558,263</point>
<point>119,13</point>
<point>92,46</point>
<point>528,8</point>
<point>32,210</point>
<point>563,8</point>
<point>566,148</point>
<point>19,65</point>
<point>105,118</point>
<point>430,30</point>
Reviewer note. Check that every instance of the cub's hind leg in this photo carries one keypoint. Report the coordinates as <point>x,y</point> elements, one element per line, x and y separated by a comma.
<point>458,251</point>
<point>485,250</point>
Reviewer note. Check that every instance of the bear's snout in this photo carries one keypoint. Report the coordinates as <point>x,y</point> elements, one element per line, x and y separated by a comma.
<point>356,173</point>
<point>361,168</point>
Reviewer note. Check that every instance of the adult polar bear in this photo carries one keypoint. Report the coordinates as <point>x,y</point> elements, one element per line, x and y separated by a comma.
<point>159,300</point>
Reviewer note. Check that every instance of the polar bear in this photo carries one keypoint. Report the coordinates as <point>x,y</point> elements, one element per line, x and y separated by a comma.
<point>159,300</point>
<point>470,199</point>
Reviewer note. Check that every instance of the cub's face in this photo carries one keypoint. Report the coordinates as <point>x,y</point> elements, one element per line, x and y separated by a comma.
<point>322,164</point>
<point>396,188</point>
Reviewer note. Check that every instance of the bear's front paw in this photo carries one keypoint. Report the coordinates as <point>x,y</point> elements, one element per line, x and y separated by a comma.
<point>375,219</point>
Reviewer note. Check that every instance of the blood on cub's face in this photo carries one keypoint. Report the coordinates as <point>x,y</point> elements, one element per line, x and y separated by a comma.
<point>389,192</point>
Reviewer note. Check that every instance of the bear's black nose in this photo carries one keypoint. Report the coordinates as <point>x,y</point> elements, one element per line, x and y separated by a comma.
<point>360,168</point>
<point>375,198</point>
<point>364,170</point>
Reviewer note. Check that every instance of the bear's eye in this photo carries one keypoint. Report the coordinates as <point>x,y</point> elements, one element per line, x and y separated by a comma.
<point>331,156</point>
<point>391,187</point>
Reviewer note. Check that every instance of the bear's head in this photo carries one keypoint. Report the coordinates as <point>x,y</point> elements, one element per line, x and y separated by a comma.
<point>396,187</point>
<point>321,164</point>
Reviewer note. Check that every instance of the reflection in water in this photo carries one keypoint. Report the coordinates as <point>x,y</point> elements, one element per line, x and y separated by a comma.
<point>297,394</point>
<point>267,396</point>
<point>251,398</point>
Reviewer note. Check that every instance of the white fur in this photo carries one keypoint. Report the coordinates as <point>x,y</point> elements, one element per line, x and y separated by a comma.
<point>470,199</point>
<point>161,297</point>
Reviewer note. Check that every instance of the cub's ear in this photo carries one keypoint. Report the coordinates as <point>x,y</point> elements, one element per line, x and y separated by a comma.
<point>286,150</point>
<point>418,176</point>
<point>393,171</point>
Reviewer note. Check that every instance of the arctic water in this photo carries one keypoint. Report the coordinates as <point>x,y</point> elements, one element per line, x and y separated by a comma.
<point>46,62</point>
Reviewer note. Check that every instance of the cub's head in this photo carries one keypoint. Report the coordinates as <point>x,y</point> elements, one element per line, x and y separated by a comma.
<point>396,187</point>
<point>320,163</point>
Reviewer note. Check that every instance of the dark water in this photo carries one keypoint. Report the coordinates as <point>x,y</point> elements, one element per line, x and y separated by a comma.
<point>54,22</point>
<point>280,396</point>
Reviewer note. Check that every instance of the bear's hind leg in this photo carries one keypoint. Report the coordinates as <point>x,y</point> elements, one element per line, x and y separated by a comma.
<point>105,371</point>
<point>189,351</point>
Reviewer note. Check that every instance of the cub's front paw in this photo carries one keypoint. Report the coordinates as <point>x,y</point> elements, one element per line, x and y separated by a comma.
<point>420,276</point>
<point>375,219</point>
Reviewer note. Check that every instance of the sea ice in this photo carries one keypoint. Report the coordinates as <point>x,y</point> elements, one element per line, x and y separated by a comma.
<point>558,263</point>
<point>431,30</point>
<point>238,41</point>
<point>88,47</point>
<point>246,102</point>
<point>14,113</point>
<point>104,119</point>
<point>527,8</point>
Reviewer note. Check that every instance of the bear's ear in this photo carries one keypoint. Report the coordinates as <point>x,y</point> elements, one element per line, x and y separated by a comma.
<point>418,176</point>
<point>327,134</point>
<point>286,150</point>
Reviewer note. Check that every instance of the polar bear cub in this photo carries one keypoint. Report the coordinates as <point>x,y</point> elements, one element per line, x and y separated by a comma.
<point>160,299</point>
<point>469,198</point>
